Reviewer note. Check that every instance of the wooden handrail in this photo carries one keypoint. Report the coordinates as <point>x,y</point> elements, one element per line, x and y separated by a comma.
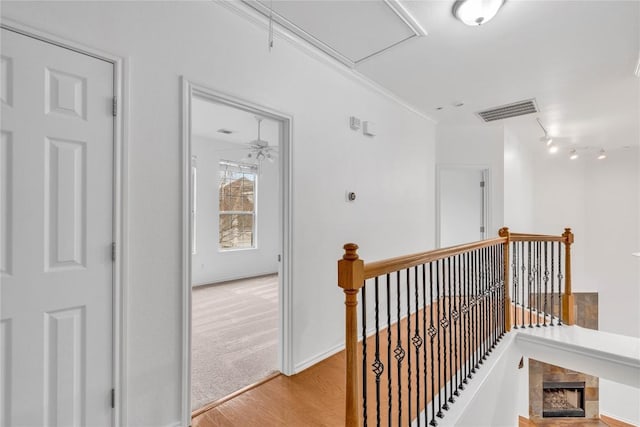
<point>522,237</point>
<point>379,268</point>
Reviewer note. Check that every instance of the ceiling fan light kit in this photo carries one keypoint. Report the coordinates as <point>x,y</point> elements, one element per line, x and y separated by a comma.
<point>476,12</point>
<point>260,149</point>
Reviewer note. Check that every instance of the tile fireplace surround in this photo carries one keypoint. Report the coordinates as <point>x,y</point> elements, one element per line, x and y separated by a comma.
<point>540,373</point>
<point>586,309</point>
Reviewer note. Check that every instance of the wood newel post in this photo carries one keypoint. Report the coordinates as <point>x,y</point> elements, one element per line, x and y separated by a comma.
<point>351,279</point>
<point>568,312</point>
<point>504,232</point>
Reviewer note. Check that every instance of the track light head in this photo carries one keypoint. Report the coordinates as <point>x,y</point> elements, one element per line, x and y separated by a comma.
<point>553,148</point>
<point>573,154</point>
<point>602,155</point>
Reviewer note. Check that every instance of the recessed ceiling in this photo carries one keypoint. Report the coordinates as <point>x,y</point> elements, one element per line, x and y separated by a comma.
<point>350,31</point>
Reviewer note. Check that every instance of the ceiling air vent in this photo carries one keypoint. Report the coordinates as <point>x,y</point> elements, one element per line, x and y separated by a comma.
<point>510,110</point>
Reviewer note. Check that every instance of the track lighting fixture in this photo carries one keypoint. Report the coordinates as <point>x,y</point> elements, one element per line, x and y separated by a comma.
<point>546,138</point>
<point>553,148</point>
<point>573,154</point>
<point>602,154</point>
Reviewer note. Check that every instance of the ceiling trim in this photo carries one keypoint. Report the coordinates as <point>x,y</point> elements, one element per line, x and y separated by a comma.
<point>240,8</point>
<point>407,17</point>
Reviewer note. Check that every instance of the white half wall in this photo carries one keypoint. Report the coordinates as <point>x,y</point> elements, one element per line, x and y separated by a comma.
<point>391,173</point>
<point>209,264</point>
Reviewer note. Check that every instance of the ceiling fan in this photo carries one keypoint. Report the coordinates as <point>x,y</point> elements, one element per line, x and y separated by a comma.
<point>260,149</point>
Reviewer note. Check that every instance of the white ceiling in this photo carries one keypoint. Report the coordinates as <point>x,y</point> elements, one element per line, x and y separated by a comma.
<point>576,58</point>
<point>207,117</point>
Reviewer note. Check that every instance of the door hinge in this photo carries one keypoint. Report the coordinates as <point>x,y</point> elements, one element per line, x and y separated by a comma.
<point>113,398</point>
<point>113,251</point>
<point>115,106</point>
<point>279,257</point>
<point>482,228</point>
<point>482,184</point>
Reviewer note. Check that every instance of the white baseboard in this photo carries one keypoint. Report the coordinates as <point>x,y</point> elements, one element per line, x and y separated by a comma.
<point>299,367</point>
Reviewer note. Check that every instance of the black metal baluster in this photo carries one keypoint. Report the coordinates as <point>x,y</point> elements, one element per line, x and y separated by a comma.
<point>377,366</point>
<point>560,283</point>
<point>492,295</point>
<point>440,414</point>
<point>536,280</point>
<point>474,294</point>
<point>467,320</point>
<point>389,388</point>
<point>540,280</point>
<point>449,319</point>
<point>514,268</point>
<point>523,270</point>
<point>408,353</point>
<point>417,342</point>
<point>530,282</point>
<point>444,322</point>
<point>483,313</point>
<point>552,283</point>
<point>456,323</point>
<point>432,333</point>
<point>399,351</point>
<point>364,355</point>
<point>546,282</point>
<point>424,347</point>
<point>500,305</point>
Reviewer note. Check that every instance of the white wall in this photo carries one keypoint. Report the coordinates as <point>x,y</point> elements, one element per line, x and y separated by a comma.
<point>599,200</point>
<point>209,264</point>
<point>612,211</point>
<point>480,145</point>
<point>620,401</point>
<point>392,174</point>
<point>518,184</point>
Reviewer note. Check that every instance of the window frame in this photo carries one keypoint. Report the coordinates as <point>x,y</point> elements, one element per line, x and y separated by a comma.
<point>226,166</point>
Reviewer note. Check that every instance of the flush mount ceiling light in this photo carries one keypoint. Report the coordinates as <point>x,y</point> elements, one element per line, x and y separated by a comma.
<point>553,148</point>
<point>476,12</point>
<point>602,155</point>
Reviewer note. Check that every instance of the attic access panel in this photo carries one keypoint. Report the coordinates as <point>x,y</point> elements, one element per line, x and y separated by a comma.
<point>349,31</point>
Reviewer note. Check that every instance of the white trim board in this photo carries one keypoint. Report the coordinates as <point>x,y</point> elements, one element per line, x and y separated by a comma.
<point>120,205</point>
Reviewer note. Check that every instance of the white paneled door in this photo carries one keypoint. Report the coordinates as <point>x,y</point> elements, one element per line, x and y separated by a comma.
<point>56,174</point>
<point>461,205</point>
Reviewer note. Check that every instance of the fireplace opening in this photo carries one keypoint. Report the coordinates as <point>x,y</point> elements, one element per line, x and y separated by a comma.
<point>563,399</point>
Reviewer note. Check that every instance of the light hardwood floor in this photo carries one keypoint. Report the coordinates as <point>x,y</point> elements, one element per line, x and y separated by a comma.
<point>316,396</point>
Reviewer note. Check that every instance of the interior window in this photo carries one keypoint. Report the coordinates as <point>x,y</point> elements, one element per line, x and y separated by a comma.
<point>237,200</point>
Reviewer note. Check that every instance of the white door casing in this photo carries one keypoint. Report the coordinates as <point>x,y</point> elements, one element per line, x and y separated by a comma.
<point>56,174</point>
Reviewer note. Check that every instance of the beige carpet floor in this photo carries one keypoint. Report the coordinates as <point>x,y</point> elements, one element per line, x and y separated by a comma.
<point>234,337</point>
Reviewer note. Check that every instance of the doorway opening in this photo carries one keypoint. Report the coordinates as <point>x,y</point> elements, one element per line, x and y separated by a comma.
<point>236,278</point>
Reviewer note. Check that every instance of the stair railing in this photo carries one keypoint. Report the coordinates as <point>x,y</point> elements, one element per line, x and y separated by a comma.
<point>429,320</point>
